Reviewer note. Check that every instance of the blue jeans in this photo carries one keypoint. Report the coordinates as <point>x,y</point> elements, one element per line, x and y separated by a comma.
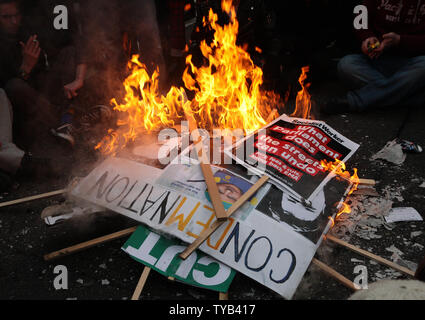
<point>385,82</point>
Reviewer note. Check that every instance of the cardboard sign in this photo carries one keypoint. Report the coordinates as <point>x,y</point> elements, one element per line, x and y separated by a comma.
<point>290,151</point>
<point>255,244</point>
<point>161,254</point>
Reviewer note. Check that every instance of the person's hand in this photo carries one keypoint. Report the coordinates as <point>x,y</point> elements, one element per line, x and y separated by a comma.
<point>389,40</point>
<point>367,47</point>
<point>72,88</point>
<point>30,53</point>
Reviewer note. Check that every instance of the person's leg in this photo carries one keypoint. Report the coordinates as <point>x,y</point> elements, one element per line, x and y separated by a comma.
<point>36,114</point>
<point>405,87</point>
<point>357,70</point>
<point>10,155</point>
<point>144,20</point>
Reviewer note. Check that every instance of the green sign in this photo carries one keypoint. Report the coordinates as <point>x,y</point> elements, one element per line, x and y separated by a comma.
<point>161,254</point>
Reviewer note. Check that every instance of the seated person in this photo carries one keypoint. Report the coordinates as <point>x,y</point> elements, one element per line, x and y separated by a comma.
<point>41,68</point>
<point>390,71</point>
<point>12,159</point>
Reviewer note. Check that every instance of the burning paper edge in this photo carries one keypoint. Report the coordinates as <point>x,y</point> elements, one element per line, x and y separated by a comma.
<point>284,117</point>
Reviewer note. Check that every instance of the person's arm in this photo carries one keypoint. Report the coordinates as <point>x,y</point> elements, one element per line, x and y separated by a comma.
<point>72,88</point>
<point>78,42</point>
<point>30,54</point>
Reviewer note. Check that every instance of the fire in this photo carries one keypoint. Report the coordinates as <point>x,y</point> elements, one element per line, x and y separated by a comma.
<point>227,91</point>
<point>143,110</point>
<point>339,168</point>
<point>345,208</point>
<point>303,100</point>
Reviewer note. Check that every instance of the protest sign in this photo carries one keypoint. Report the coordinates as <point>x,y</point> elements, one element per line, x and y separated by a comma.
<point>255,244</point>
<point>161,254</point>
<point>290,151</point>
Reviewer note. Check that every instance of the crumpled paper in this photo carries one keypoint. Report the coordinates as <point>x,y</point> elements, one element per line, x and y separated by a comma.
<point>392,152</point>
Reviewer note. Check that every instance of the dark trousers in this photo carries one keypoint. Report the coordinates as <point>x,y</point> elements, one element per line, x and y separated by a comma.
<point>39,102</point>
<point>385,82</point>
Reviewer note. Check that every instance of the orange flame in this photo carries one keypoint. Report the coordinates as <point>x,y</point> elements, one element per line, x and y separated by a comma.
<point>303,100</point>
<point>143,109</point>
<point>227,91</point>
<point>345,208</point>
<point>339,168</point>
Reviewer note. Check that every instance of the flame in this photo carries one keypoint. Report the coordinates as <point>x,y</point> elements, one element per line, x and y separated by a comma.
<point>303,100</point>
<point>187,7</point>
<point>345,208</point>
<point>227,90</point>
<point>143,110</point>
<point>339,168</point>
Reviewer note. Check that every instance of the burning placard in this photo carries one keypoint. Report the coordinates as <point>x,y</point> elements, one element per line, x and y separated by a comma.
<point>161,254</point>
<point>291,151</point>
<point>269,250</point>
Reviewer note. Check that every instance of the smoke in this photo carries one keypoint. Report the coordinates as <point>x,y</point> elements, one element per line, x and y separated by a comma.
<point>112,31</point>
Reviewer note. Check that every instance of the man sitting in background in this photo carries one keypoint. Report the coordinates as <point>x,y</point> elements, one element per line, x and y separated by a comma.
<point>41,68</point>
<point>14,161</point>
<point>390,71</point>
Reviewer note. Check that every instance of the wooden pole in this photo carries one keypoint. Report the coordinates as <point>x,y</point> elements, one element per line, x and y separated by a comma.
<point>371,256</point>
<point>334,274</point>
<point>141,283</point>
<point>217,203</point>
<point>32,198</point>
<point>367,182</point>
<point>222,296</point>
<point>88,244</point>
<point>207,232</point>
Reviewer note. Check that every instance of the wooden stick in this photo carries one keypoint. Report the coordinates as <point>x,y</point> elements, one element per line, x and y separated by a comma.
<point>368,182</point>
<point>334,274</point>
<point>32,198</point>
<point>217,203</point>
<point>141,283</point>
<point>88,244</point>
<point>207,232</point>
<point>223,296</point>
<point>372,256</point>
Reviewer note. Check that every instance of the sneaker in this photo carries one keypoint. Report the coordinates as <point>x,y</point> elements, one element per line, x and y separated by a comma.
<point>335,106</point>
<point>65,132</point>
<point>95,115</point>
<point>409,147</point>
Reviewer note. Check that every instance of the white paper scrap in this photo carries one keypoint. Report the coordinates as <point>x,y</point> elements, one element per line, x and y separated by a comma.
<point>403,214</point>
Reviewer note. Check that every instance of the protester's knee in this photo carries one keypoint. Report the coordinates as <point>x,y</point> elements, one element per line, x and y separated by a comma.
<point>15,86</point>
<point>419,63</point>
<point>348,64</point>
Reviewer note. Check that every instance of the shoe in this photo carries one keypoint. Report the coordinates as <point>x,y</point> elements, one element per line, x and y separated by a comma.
<point>35,167</point>
<point>337,105</point>
<point>65,132</point>
<point>95,115</point>
<point>409,147</point>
